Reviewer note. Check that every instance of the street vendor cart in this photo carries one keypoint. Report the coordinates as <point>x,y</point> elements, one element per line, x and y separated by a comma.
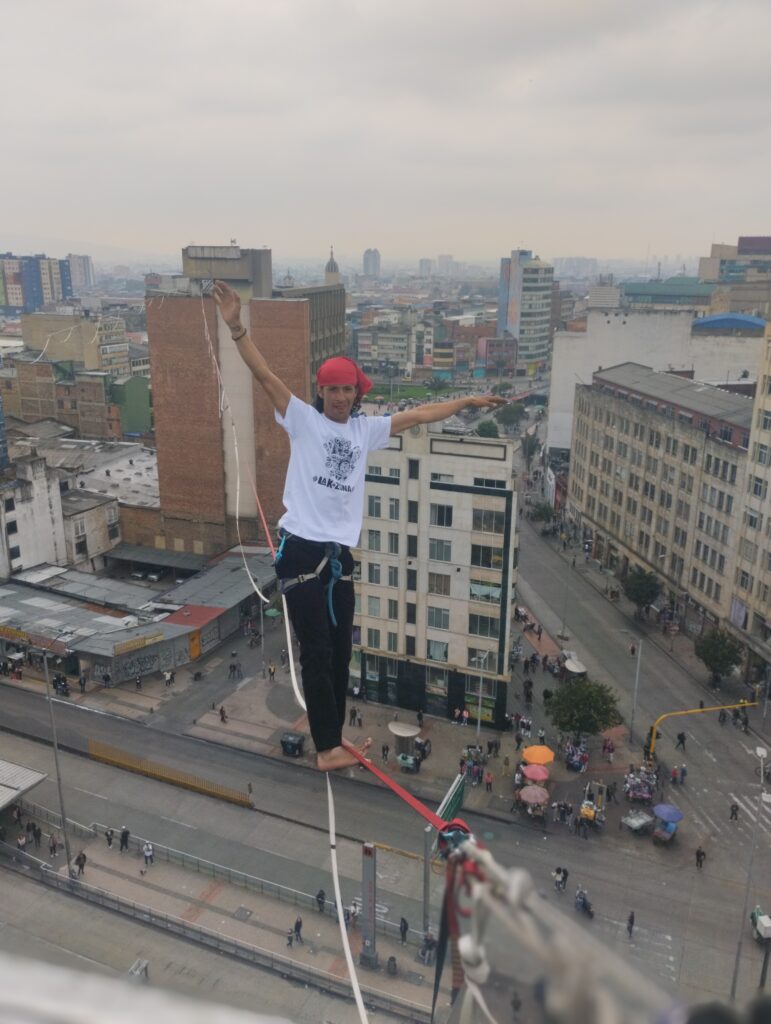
<point>638,821</point>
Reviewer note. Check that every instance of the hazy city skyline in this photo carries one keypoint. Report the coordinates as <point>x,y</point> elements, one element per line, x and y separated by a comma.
<point>595,129</point>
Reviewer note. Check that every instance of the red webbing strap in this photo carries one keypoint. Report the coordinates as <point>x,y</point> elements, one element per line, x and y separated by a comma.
<point>433,819</point>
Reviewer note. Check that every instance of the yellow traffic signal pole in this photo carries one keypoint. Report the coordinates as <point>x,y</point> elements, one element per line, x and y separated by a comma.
<point>694,711</point>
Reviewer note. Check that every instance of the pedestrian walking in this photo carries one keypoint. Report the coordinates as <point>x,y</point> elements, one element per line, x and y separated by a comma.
<point>403,929</point>
<point>167,679</point>
<point>124,839</point>
<point>290,937</point>
<point>700,857</point>
<point>298,930</point>
<point>464,716</point>
<point>630,924</point>
<point>138,682</point>
<point>456,716</point>
<point>541,735</point>
<point>506,765</point>
<point>352,716</point>
<point>283,658</point>
<point>734,812</point>
<point>419,718</point>
<point>385,751</point>
<point>223,713</point>
<point>321,899</point>
<point>683,773</point>
<point>354,913</point>
<point>80,863</point>
<point>673,776</point>
<point>680,745</point>
<point>108,835</point>
<point>272,671</point>
<point>539,630</point>
<point>37,835</point>
<point>359,720</point>
<point>518,739</point>
<point>82,682</point>
<point>52,845</point>
<point>489,782</point>
<point>148,852</point>
<point>173,675</point>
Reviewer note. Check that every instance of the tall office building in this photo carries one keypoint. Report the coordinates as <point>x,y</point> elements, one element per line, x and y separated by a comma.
<point>202,482</point>
<point>371,263</point>
<point>81,273</point>
<point>31,282</point>
<point>524,308</point>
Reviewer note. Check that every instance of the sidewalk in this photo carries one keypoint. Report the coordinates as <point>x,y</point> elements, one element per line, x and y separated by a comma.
<point>245,916</point>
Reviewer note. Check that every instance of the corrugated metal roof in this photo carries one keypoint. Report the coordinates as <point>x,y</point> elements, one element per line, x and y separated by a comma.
<point>157,556</point>
<point>16,780</point>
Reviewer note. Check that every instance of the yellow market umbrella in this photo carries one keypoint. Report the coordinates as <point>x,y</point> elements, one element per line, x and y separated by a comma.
<point>537,754</point>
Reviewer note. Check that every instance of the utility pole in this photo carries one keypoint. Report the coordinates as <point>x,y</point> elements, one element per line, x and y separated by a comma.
<point>67,853</point>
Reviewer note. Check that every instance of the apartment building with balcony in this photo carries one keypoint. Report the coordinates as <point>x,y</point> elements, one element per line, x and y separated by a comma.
<point>657,479</point>
<point>437,565</point>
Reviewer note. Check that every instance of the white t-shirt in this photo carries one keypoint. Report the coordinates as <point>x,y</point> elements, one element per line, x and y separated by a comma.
<point>324,489</point>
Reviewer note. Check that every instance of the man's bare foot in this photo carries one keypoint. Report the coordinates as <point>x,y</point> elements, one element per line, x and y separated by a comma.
<point>362,747</point>
<point>337,757</point>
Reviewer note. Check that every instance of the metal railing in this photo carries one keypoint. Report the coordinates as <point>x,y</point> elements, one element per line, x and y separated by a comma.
<point>375,998</point>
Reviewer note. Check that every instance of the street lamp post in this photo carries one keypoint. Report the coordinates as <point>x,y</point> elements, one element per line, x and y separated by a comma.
<point>67,853</point>
<point>762,754</point>
<point>483,659</point>
<point>262,637</point>
<point>638,642</point>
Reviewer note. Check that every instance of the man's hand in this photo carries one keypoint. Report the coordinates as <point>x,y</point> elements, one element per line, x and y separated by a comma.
<point>485,402</point>
<point>228,303</point>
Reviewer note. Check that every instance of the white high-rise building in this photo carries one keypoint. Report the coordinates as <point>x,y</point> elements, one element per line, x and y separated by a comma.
<point>81,273</point>
<point>524,308</point>
<point>438,567</point>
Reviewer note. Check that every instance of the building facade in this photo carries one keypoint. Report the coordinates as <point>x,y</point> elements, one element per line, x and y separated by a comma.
<point>31,524</point>
<point>525,308</point>
<point>438,565</point>
<point>205,482</point>
<point>657,480</point>
<point>91,528</point>
<point>371,263</point>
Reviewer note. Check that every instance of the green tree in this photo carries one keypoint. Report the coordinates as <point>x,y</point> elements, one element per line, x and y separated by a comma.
<point>641,587</point>
<point>510,415</point>
<point>487,428</point>
<point>541,512</point>
<point>720,652</point>
<point>529,447</point>
<point>583,708</point>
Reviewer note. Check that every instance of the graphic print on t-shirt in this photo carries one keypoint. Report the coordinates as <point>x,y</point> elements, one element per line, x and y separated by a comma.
<point>341,458</point>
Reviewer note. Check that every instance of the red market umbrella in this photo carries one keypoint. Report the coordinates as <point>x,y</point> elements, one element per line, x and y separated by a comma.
<point>535,772</point>
<point>534,795</point>
<point>537,754</point>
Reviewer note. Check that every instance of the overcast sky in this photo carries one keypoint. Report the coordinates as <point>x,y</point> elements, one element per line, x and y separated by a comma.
<point>572,127</point>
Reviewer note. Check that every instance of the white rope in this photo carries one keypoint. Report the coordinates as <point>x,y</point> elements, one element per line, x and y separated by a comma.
<point>340,910</point>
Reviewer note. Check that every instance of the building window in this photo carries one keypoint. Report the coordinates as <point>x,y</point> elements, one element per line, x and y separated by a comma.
<point>373,572</point>
<point>373,638</point>
<point>413,469</point>
<point>486,557</point>
<point>441,515</point>
<point>373,607</point>
<point>393,642</point>
<point>412,611</point>
<point>373,540</point>
<point>488,521</point>
<point>437,650</point>
<point>412,511</point>
<point>439,583</point>
<point>438,618</point>
<point>393,575</point>
<point>412,546</point>
<point>439,550</point>
<point>373,506</point>
<point>10,504</point>
<point>481,590</point>
<point>412,579</point>
<point>374,471</point>
<point>481,481</point>
<point>409,646</point>
<point>393,508</point>
<point>14,552</point>
<point>12,527</point>
<point>393,544</point>
<point>393,608</point>
<point>483,625</point>
<point>113,531</point>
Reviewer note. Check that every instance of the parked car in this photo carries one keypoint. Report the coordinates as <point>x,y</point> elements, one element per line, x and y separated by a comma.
<point>138,575</point>
<point>156,576</point>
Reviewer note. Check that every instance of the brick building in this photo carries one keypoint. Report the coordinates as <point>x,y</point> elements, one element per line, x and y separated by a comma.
<point>202,483</point>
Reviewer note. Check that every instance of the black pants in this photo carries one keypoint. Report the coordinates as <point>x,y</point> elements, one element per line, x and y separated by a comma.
<point>325,649</point>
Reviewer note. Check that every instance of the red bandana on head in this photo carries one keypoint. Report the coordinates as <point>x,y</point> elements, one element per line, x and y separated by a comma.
<point>341,370</point>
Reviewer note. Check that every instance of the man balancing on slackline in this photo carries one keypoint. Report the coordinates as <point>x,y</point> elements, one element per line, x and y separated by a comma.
<point>324,500</point>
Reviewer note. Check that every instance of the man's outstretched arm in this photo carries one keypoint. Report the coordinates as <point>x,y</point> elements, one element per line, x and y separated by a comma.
<point>437,411</point>
<point>229,305</point>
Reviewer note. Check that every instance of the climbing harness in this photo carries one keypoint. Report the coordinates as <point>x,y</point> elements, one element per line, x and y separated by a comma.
<point>331,558</point>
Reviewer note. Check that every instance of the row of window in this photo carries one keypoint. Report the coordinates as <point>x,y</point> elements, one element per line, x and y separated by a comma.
<point>437,650</point>
<point>413,473</point>
<point>482,520</point>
